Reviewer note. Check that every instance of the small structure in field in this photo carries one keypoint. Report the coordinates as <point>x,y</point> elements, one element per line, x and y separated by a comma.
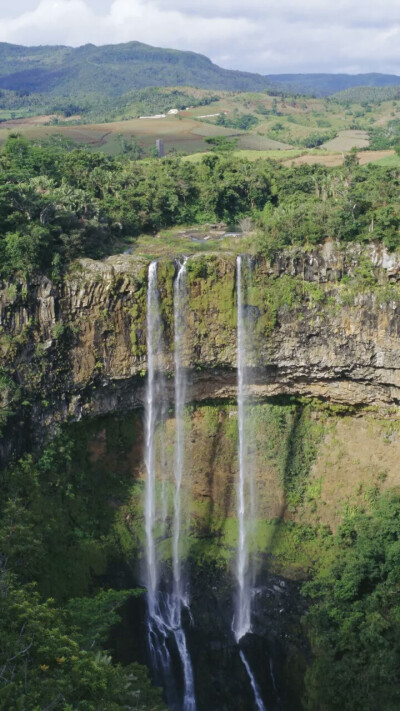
<point>160,147</point>
<point>156,116</point>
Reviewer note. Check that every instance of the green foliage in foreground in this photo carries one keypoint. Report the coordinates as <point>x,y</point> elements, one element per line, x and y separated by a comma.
<point>354,620</point>
<point>45,663</point>
<point>57,532</point>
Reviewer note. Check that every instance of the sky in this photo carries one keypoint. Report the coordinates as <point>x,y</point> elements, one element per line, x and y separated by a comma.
<point>265,36</point>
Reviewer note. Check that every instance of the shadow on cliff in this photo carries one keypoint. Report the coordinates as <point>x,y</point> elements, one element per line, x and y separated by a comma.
<point>218,507</point>
<point>288,472</point>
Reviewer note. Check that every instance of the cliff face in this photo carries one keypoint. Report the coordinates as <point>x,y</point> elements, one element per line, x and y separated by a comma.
<point>322,324</point>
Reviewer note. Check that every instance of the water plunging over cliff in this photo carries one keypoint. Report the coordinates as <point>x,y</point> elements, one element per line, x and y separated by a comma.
<point>241,621</point>
<point>179,597</point>
<point>157,627</point>
<point>180,391</point>
<point>152,412</point>
<point>259,703</point>
<point>241,624</point>
<point>165,607</point>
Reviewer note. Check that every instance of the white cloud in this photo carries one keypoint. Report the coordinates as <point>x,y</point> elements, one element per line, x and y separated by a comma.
<point>75,22</point>
<point>267,36</point>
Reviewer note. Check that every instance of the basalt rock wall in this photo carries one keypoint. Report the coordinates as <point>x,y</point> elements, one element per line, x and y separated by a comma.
<point>322,324</point>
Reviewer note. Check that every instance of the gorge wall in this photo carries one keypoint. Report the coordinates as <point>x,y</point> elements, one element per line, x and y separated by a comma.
<point>326,325</point>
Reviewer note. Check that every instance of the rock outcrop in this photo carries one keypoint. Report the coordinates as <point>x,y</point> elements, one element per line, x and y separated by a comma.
<point>324,324</point>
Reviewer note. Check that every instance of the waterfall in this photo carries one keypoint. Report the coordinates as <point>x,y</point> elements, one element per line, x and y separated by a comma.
<point>180,392</point>
<point>259,703</point>
<point>178,598</point>
<point>241,621</point>
<point>157,628</point>
<point>246,507</point>
<point>152,405</point>
<point>164,608</point>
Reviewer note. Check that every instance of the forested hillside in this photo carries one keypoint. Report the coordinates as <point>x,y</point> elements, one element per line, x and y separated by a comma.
<point>113,70</point>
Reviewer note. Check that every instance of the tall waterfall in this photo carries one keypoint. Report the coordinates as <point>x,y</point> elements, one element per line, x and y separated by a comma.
<point>165,605</point>
<point>180,391</point>
<point>242,618</point>
<point>152,411</point>
<point>157,627</point>
<point>241,624</point>
<point>178,598</point>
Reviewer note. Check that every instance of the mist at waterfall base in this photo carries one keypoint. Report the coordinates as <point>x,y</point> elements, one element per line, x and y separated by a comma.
<point>210,638</point>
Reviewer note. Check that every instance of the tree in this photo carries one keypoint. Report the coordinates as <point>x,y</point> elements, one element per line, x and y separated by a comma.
<point>354,619</point>
<point>43,664</point>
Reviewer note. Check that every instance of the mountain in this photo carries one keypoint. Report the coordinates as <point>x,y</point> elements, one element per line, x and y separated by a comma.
<point>328,84</point>
<point>113,70</point>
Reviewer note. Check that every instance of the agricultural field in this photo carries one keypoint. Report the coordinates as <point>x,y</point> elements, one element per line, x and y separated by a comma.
<point>346,140</point>
<point>331,159</point>
<point>183,134</point>
<point>269,126</point>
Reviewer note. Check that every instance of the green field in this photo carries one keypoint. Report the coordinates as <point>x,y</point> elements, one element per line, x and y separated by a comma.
<point>392,161</point>
<point>346,140</point>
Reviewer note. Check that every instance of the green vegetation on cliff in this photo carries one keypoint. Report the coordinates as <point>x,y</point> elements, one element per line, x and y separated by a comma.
<point>354,619</point>
<point>71,528</point>
<point>59,531</point>
<point>71,514</point>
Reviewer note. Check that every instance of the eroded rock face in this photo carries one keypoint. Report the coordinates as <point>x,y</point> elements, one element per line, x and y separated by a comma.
<point>79,347</point>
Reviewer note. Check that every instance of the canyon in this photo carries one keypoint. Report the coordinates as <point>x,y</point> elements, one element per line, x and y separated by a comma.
<point>323,428</point>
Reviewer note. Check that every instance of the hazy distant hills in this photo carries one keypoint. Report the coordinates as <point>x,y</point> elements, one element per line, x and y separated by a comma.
<point>113,70</point>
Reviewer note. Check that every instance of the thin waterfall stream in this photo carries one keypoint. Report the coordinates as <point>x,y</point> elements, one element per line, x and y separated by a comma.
<point>180,392</point>
<point>241,621</point>
<point>241,624</point>
<point>164,607</point>
<point>157,624</point>
<point>259,702</point>
<point>179,597</point>
<point>153,350</point>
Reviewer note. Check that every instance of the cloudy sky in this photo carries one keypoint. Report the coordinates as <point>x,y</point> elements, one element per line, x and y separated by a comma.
<point>266,36</point>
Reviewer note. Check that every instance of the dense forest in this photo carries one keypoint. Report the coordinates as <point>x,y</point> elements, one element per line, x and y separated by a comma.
<point>54,533</point>
<point>57,204</point>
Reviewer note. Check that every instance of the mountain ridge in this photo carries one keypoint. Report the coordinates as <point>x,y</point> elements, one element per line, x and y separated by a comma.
<point>115,69</point>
